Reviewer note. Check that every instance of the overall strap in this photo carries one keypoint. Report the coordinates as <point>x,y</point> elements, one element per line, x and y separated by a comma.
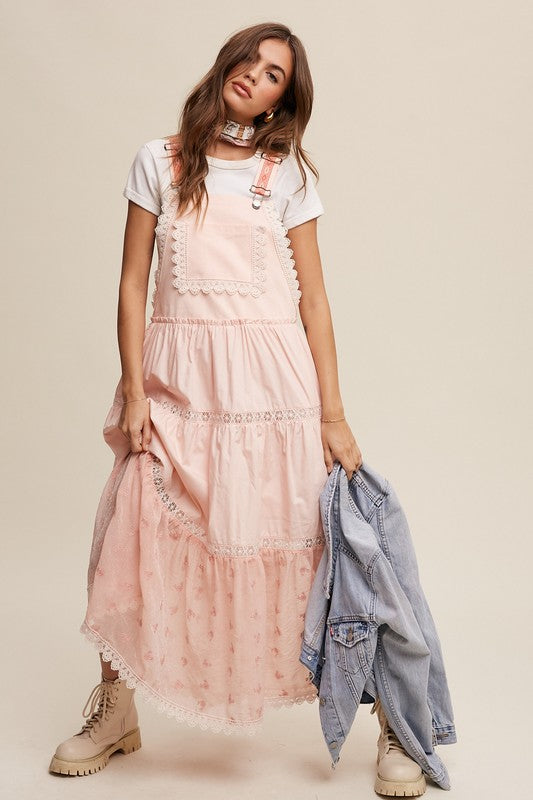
<point>264,178</point>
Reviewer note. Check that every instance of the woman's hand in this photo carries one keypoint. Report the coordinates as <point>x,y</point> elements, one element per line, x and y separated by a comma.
<point>339,444</point>
<point>135,424</point>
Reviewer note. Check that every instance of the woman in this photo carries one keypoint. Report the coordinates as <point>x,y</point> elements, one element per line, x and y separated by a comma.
<point>227,417</point>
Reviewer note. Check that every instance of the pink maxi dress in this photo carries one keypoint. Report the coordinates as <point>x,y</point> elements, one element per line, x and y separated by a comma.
<point>205,547</point>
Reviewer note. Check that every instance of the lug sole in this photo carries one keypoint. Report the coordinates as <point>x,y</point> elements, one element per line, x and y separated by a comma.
<point>400,788</point>
<point>87,766</point>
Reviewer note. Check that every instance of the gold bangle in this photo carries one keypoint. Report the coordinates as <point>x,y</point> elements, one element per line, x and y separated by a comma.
<point>333,420</point>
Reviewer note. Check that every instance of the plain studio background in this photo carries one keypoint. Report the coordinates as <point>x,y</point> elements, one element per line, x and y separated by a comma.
<point>422,132</point>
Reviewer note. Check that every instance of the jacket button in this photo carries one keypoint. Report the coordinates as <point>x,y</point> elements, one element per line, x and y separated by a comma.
<point>322,701</point>
<point>333,744</point>
<point>350,635</point>
<point>309,658</point>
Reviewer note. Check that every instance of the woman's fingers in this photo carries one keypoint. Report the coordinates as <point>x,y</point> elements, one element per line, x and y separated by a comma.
<point>146,432</point>
<point>350,459</point>
<point>137,428</point>
<point>328,457</point>
<point>136,439</point>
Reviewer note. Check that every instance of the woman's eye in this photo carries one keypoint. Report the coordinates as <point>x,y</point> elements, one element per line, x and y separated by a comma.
<point>275,79</point>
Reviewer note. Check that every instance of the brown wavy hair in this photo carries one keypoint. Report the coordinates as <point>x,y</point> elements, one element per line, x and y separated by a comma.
<point>203,114</point>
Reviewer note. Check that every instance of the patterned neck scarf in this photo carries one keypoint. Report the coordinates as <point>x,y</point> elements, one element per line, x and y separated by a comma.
<point>237,133</point>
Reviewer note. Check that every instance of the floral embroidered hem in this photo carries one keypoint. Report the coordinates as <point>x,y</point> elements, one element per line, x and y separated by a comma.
<point>170,709</point>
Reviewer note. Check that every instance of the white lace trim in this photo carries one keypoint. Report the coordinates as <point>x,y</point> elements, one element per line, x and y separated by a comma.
<point>164,706</point>
<point>268,543</point>
<point>240,417</point>
<point>281,241</point>
<point>284,250</point>
<point>168,209</point>
<point>171,505</point>
<point>182,283</point>
<point>217,549</point>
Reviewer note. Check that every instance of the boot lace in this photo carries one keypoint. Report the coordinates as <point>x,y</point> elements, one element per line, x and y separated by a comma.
<point>101,700</point>
<point>390,739</point>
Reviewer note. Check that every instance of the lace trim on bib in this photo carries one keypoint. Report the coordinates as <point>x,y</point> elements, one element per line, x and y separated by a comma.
<point>255,288</point>
<point>183,284</point>
<point>168,204</point>
<point>164,706</point>
<point>175,511</point>
<point>284,250</point>
<point>161,230</point>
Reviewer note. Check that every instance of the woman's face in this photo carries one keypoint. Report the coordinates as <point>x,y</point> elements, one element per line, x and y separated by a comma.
<point>265,81</point>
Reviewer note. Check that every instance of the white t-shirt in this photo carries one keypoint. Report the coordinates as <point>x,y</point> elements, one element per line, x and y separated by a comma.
<point>149,177</point>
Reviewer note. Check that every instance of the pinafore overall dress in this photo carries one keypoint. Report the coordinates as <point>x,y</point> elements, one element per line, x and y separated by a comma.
<point>205,547</point>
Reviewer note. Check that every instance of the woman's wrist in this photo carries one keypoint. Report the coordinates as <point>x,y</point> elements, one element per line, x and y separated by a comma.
<point>132,392</point>
<point>332,415</point>
<point>332,412</point>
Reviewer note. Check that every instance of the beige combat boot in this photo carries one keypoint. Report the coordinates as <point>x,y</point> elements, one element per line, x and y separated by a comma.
<point>112,724</point>
<point>397,773</point>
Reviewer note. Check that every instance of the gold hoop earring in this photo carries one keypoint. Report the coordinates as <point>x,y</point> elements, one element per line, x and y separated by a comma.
<point>269,117</point>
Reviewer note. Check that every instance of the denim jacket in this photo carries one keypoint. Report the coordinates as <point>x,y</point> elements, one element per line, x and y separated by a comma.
<point>368,629</point>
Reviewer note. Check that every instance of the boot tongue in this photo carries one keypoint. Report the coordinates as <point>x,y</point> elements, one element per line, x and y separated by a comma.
<point>100,699</point>
<point>392,740</point>
<point>393,743</point>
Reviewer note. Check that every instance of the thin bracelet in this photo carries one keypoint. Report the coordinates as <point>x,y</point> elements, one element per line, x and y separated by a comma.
<point>333,420</point>
<point>124,402</point>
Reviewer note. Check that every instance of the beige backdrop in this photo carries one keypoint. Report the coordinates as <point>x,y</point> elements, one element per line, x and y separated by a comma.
<point>422,131</point>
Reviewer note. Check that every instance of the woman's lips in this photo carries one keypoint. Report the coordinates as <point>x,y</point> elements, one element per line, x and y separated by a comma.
<point>240,90</point>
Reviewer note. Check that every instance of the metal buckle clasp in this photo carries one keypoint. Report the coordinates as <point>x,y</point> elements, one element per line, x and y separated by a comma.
<point>259,192</point>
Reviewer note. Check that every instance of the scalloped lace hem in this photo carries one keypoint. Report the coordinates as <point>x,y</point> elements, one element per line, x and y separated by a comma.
<point>203,721</point>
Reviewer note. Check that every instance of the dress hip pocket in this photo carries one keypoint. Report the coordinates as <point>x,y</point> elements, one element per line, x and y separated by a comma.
<point>219,257</point>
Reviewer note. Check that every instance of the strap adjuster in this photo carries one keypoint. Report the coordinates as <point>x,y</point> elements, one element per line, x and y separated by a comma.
<point>260,190</point>
<point>264,176</point>
<point>275,159</point>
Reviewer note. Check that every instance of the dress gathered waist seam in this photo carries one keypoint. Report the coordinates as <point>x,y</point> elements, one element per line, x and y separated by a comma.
<point>229,321</point>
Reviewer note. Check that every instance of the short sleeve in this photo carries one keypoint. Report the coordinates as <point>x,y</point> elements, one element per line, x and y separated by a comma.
<point>142,183</point>
<point>298,209</point>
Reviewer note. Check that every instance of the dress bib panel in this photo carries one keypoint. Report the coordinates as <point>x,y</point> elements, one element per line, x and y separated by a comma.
<point>238,260</point>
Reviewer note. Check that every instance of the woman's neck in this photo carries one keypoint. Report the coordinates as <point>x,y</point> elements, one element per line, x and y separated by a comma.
<point>230,152</point>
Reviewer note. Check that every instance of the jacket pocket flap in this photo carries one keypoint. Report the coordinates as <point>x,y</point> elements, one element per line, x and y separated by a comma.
<point>350,632</point>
